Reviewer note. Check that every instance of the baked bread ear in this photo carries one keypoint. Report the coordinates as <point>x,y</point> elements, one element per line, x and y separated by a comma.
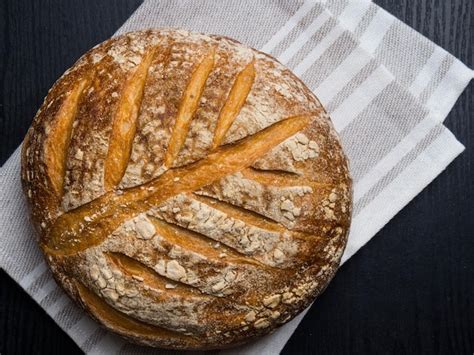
<point>189,192</point>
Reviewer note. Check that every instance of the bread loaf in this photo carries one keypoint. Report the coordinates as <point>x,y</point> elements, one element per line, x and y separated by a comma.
<point>188,191</point>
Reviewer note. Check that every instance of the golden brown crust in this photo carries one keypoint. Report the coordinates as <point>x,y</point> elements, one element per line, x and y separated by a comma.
<point>189,192</point>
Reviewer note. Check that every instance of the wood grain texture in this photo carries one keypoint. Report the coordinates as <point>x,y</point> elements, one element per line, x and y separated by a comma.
<point>409,290</point>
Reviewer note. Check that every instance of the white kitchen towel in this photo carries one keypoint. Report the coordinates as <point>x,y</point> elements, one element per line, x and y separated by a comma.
<point>387,89</point>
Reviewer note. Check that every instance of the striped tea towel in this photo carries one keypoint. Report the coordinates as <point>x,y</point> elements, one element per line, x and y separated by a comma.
<point>386,87</point>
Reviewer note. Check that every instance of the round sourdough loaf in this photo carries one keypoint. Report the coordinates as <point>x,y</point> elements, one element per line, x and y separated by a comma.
<point>189,192</point>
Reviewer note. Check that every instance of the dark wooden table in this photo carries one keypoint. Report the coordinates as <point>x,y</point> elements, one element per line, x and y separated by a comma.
<point>410,290</point>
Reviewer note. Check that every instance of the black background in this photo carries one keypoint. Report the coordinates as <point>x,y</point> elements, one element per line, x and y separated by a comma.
<point>410,290</point>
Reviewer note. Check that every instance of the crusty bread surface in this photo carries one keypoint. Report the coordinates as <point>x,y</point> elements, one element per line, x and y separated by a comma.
<point>189,192</point>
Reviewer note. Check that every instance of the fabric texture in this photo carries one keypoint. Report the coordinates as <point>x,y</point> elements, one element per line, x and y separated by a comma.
<point>386,87</point>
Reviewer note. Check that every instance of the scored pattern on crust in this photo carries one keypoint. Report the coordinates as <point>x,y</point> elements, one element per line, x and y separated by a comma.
<point>236,99</point>
<point>59,136</point>
<point>239,223</point>
<point>125,122</point>
<point>188,106</point>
